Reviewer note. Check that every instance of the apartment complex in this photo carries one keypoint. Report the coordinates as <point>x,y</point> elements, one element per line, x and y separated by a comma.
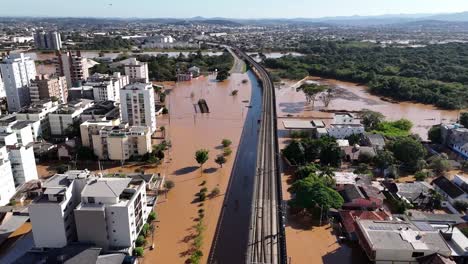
<point>112,212</point>
<point>138,106</point>
<point>101,111</point>
<point>46,87</point>
<point>53,222</point>
<point>66,116</point>
<point>137,71</point>
<point>121,142</point>
<point>105,87</point>
<point>47,40</point>
<point>38,111</point>
<point>17,71</point>
<point>23,163</point>
<point>79,207</point>
<point>74,67</point>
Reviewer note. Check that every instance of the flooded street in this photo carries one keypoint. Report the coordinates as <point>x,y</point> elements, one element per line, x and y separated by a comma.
<point>188,132</point>
<point>354,97</point>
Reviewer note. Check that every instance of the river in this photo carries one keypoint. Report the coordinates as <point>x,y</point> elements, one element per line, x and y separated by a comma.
<point>355,97</point>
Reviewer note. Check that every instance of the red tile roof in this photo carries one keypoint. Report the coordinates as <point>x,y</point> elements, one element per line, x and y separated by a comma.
<point>348,217</point>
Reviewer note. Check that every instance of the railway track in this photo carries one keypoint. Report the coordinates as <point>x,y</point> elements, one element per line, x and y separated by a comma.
<point>266,233</point>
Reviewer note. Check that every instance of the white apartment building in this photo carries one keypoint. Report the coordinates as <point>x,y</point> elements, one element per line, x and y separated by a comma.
<point>137,106</point>
<point>121,142</point>
<point>112,212</point>
<point>38,112</point>
<point>345,125</point>
<point>53,222</point>
<point>23,163</point>
<point>137,71</point>
<point>17,71</point>
<point>7,184</point>
<point>107,88</point>
<point>22,129</point>
<point>77,206</point>
<point>66,115</point>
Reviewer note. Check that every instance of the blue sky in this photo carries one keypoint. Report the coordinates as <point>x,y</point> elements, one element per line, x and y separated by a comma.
<point>224,8</point>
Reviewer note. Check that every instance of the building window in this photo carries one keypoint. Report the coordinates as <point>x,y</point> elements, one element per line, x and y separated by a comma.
<point>91,200</point>
<point>417,254</point>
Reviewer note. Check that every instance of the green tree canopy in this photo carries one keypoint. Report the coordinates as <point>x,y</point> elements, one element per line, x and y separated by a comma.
<point>408,150</point>
<point>311,91</point>
<point>371,119</point>
<point>201,156</point>
<point>312,192</point>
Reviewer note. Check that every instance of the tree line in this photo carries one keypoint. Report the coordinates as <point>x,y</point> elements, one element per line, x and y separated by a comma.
<point>435,74</point>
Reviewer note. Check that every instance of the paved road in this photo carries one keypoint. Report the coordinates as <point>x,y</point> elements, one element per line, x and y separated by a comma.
<point>239,64</point>
<point>231,237</point>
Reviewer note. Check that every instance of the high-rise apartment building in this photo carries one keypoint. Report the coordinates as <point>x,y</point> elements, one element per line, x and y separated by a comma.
<point>73,66</point>
<point>53,222</point>
<point>106,87</point>
<point>137,105</point>
<point>121,142</point>
<point>47,40</point>
<point>80,207</point>
<point>137,71</point>
<point>47,87</point>
<point>17,71</point>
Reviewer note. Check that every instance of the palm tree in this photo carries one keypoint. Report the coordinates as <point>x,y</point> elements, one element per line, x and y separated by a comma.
<point>163,131</point>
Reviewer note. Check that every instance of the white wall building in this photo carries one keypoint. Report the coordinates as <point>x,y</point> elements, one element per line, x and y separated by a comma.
<point>76,206</point>
<point>137,105</point>
<point>7,184</point>
<point>17,71</point>
<point>53,223</point>
<point>345,125</point>
<point>112,212</point>
<point>66,115</point>
<point>398,242</point>
<point>137,71</point>
<point>122,142</point>
<point>23,163</point>
<point>38,112</point>
<point>107,88</point>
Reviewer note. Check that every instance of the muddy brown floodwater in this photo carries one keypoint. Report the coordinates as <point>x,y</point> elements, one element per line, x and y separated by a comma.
<point>188,132</point>
<point>354,97</point>
<point>307,241</point>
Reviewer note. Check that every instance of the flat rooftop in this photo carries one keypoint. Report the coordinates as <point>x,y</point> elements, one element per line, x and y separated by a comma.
<point>298,124</point>
<point>105,187</point>
<point>393,235</point>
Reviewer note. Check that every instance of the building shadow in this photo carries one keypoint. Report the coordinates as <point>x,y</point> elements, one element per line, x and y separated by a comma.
<point>347,253</point>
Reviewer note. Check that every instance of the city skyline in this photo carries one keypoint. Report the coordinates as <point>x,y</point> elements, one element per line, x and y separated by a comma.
<point>241,9</point>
